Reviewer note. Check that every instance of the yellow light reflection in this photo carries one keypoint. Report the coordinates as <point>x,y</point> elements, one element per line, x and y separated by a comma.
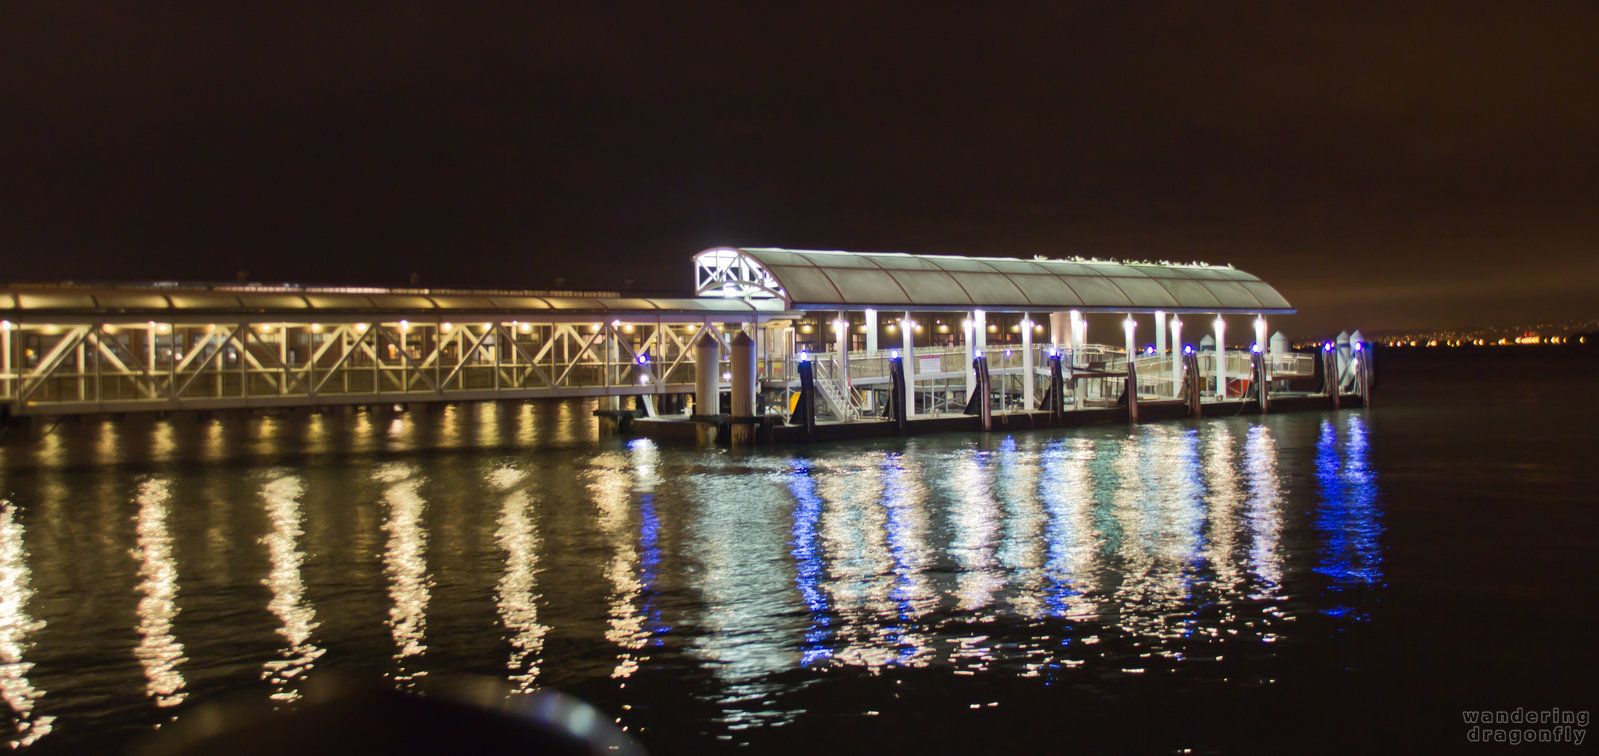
<point>516,594</point>
<point>159,652</point>
<point>297,617</point>
<point>15,627</point>
<point>405,561</point>
<point>611,489</point>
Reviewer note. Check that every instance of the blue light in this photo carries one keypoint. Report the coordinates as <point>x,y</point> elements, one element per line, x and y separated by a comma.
<point>893,354</point>
<point>1007,352</point>
<point>1359,344</point>
<point>977,353</point>
<point>1188,349</point>
<point>804,356</point>
<point>1149,350</point>
<point>1054,351</point>
<point>1254,348</point>
<point>1327,347</point>
<point>643,359</point>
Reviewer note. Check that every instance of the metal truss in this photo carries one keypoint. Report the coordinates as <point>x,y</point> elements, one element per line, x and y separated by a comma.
<point>107,366</point>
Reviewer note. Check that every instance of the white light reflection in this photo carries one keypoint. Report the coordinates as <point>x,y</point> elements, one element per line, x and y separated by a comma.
<point>516,594</point>
<point>1073,542</point>
<point>285,674</point>
<point>1264,510</point>
<point>15,627</point>
<point>860,583</point>
<point>1021,552</point>
<point>905,502</point>
<point>1223,495</point>
<point>974,518</point>
<point>158,651</point>
<point>405,561</point>
<point>752,623</point>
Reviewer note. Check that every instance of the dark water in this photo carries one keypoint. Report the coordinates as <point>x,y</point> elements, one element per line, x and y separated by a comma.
<point>1310,581</point>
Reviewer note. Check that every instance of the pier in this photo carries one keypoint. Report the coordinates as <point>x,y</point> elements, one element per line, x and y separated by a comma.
<point>773,345</point>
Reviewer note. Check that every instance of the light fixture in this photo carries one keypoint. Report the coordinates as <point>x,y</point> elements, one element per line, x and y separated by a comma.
<point>445,327</point>
<point>893,354</point>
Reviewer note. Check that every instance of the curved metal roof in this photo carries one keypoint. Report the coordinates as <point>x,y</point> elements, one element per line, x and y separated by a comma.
<point>829,280</point>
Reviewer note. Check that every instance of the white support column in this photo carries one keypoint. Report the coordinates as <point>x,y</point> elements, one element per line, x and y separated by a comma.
<point>149,355</point>
<point>1176,356</point>
<point>1220,369</point>
<point>1130,326</point>
<point>707,394</point>
<point>967,352</point>
<point>841,343</point>
<point>907,330</point>
<point>6,385</point>
<point>1028,379</point>
<point>613,367</point>
<point>1079,335</point>
<point>1260,341</point>
<point>1160,332</point>
<point>871,330</point>
<point>980,327</point>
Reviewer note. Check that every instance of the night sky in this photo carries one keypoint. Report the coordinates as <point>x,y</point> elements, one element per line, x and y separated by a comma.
<point>1385,165</point>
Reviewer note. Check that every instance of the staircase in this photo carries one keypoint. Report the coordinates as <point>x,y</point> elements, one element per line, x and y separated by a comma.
<point>835,395</point>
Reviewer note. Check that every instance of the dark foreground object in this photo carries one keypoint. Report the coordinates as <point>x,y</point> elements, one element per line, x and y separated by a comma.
<point>459,716</point>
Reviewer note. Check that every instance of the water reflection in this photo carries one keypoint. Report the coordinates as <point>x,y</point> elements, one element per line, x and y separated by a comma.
<point>1348,518</point>
<point>747,632</point>
<point>158,651</point>
<point>296,615</point>
<point>1070,557</point>
<point>611,487</point>
<point>405,562</point>
<point>517,592</point>
<point>15,627</point>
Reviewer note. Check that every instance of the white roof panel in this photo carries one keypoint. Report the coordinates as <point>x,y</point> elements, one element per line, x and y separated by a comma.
<point>836,280</point>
